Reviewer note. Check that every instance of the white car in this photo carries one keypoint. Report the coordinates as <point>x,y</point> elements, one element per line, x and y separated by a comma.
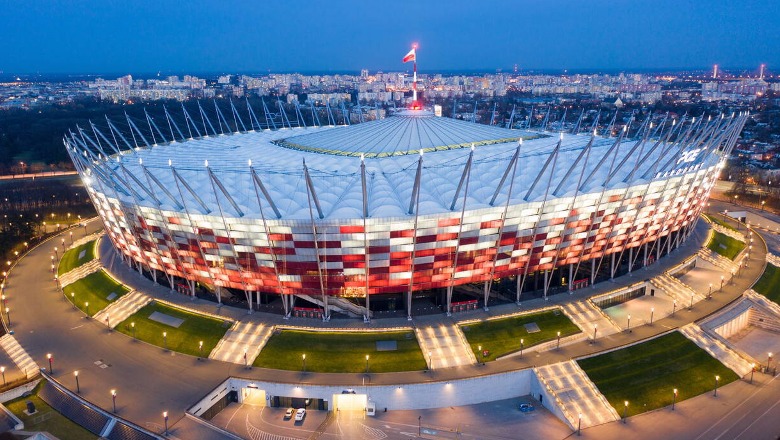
<point>300,414</point>
<point>289,413</point>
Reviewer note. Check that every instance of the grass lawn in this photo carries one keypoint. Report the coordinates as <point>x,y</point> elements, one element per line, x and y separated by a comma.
<point>47,419</point>
<point>646,374</point>
<point>94,289</point>
<point>719,220</point>
<point>342,352</point>
<point>70,260</point>
<point>725,245</point>
<point>183,339</point>
<point>502,336</point>
<point>769,283</point>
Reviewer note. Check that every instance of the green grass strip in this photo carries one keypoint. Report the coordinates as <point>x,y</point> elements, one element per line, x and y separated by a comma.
<point>70,260</point>
<point>341,352</point>
<point>47,418</point>
<point>769,283</point>
<point>502,336</point>
<point>94,289</point>
<point>718,220</point>
<point>725,245</point>
<point>183,339</point>
<point>646,374</point>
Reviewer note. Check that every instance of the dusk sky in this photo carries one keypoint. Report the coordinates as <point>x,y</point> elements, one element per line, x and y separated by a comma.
<point>73,36</point>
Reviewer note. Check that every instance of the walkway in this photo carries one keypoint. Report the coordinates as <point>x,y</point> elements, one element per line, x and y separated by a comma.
<point>444,345</point>
<point>242,342</point>
<point>122,308</point>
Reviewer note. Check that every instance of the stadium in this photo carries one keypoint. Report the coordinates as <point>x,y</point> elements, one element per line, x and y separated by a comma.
<point>407,208</point>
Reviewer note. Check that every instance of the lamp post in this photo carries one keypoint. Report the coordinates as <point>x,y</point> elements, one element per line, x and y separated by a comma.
<point>430,360</point>
<point>165,419</point>
<point>752,370</point>
<point>717,381</point>
<point>200,348</point>
<point>303,357</point>
<point>78,388</point>
<point>579,425</point>
<point>132,325</point>
<point>709,293</point>
<point>113,399</point>
<point>86,307</point>
<point>419,426</point>
<point>768,358</point>
<point>595,327</point>
<point>558,344</point>
<point>71,237</point>
<point>690,306</point>
<point>625,411</point>
<point>366,364</point>
<point>246,360</point>
<point>8,316</point>
<point>674,307</point>
<point>722,279</point>
<point>165,340</point>
<point>522,346</point>
<point>628,324</point>
<point>51,367</point>
<point>2,370</point>
<point>481,356</point>
<point>652,311</point>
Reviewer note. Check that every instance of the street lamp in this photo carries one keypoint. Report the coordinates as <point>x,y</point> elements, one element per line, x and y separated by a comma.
<point>50,358</point>
<point>768,358</point>
<point>625,411</point>
<point>628,326</point>
<point>200,346</point>
<point>165,340</point>
<point>419,426</point>
<point>674,306</point>
<point>558,345</point>
<point>86,306</point>
<point>595,327</point>
<point>522,346</point>
<point>430,360</point>
<point>303,356</point>
<point>674,398</point>
<point>652,311</point>
<point>165,418</point>
<point>113,399</point>
<point>246,361</point>
<point>481,356</point>
<point>8,316</point>
<point>722,279</point>
<point>2,370</point>
<point>366,364</point>
<point>752,370</point>
<point>132,325</point>
<point>579,425</point>
<point>690,306</point>
<point>717,381</point>
<point>78,388</point>
<point>709,293</point>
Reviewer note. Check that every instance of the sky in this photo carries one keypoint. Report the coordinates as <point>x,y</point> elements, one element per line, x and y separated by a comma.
<point>212,36</point>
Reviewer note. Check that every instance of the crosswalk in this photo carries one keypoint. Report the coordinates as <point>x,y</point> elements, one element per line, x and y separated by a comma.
<point>242,337</point>
<point>122,308</point>
<point>20,357</point>
<point>444,345</point>
<point>576,394</point>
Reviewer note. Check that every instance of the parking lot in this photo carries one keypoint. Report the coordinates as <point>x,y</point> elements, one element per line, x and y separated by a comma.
<point>494,420</point>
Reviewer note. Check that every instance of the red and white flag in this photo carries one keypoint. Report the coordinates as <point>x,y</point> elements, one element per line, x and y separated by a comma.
<point>410,56</point>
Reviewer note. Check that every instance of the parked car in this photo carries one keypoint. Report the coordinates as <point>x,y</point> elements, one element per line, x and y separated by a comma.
<point>526,407</point>
<point>300,414</point>
<point>289,413</point>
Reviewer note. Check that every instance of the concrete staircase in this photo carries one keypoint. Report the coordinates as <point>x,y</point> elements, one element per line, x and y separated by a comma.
<point>249,337</point>
<point>446,344</point>
<point>762,301</point>
<point>584,314</point>
<point>716,349</point>
<point>717,260</point>
<point>677,290</point>
<point>86,239</point>
<point>20,357</point>
<point>80,272</point>
<point>122,308</point>
<point>728,232</point>
<point>337,304</point>
<point>576,394</point>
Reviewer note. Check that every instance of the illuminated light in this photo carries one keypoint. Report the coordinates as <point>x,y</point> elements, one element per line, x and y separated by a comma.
<point>249,162</point>
<point>170,163</point>
<point>206,163</point>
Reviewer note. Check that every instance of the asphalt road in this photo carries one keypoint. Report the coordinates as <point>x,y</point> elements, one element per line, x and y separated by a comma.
<point>150,380</point>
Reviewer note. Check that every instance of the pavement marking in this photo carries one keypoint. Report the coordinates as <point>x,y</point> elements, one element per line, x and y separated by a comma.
<point>78,326</point>
<point>757,419</point>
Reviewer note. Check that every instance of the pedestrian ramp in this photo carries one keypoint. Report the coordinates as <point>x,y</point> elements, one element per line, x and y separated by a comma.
<point>23,361</point>
<point>444,346</point>
<point>717,349</point>
<point>576,396</point>
<point>586,316</point>
<point>80,272</point>
<point>243,337</point>
<point>122,308</point>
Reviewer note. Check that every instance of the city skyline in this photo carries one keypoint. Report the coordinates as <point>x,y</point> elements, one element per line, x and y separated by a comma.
<point>63,37</point>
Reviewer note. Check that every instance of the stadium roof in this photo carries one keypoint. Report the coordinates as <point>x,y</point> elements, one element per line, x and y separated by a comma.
<point>235,174</point>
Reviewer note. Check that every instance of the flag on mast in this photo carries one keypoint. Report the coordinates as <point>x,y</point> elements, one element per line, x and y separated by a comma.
<point>411,56</point>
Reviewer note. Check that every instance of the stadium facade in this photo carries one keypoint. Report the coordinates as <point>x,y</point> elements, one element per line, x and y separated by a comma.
<point>403,205</point>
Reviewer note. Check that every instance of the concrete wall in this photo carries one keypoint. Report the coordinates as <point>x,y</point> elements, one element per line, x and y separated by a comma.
<point>540,392</point>
<point>759,318</point>
<point>404,397</point>
<point>734,325</point>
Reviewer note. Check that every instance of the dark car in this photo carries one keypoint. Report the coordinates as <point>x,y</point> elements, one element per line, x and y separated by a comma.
<point>526,407</point>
